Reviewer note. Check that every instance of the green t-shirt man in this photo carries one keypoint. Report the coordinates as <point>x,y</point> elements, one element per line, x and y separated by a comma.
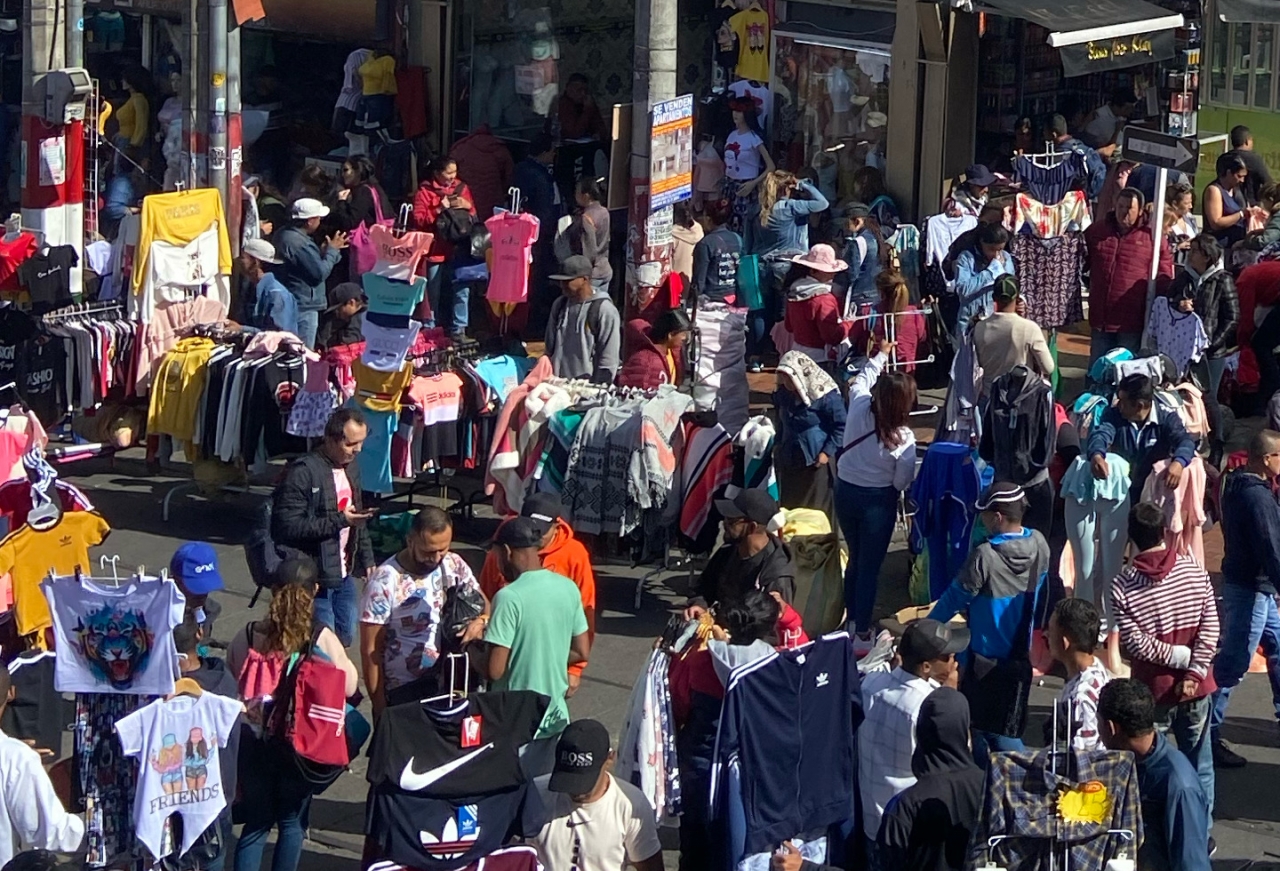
<point>537,618</point>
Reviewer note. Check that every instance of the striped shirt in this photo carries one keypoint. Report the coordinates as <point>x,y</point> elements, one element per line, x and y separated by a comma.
<point>352,88</point>
<point>1155,616</point>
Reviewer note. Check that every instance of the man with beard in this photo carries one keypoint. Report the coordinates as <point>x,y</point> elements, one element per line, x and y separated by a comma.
<point>753,556</point>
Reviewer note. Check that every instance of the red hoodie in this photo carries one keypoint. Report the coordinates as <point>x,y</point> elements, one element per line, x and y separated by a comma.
<point>485,162</point>
<point>428,202</point>
<point>648,365</point>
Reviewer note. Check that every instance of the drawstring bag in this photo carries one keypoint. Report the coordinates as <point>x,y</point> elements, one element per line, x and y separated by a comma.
<point>363,252</point>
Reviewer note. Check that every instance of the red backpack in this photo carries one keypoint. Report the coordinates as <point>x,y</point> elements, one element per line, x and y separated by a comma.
<point>260,675</point>
<point>309,713</point>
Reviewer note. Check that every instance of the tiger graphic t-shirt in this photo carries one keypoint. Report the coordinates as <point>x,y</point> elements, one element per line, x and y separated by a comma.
<point>114,639</point>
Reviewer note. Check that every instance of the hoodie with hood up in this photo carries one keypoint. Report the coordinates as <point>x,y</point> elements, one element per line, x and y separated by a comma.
<point>813,316</point>
<point>1217,303</point>
<point>648,366</point>
<point>564,555</point>
<point>584,338</point>
<point>927,827</point>
<point>1250,533</point>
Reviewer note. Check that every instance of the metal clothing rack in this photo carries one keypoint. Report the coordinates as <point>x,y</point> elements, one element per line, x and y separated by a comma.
<point>86,309</point>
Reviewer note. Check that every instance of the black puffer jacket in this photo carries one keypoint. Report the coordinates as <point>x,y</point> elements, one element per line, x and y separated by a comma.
<point>305,519</point>
<point>728,576</point>
<point>1216,302</point>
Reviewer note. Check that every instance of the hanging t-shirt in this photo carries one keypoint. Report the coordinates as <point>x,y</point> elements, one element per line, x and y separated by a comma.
<point>377,390</point>
<point>398,256</point>
<point>42,377</point>
<point>751,26</point>
<point>389,296</point>
<point>342,489</point>
<point>47,277</point>
<point>177,271</point>
<point>13,253</point>
<point>115,639</point>
<point>1180,335</point>
<point>409,606</point>
<point>504,374</point>
<point>742,160</point>
<point>37,712</point>
<point>438,397</point>
<point>374,458</point>
<point>386,347</point>
<point>29,554</point>
<point>177,742</point>
<point>759,94</point>
<point>16,329</point>
<point>512,236</point>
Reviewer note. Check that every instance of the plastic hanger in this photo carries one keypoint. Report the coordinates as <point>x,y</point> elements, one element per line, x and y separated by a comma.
<point>185,686</point>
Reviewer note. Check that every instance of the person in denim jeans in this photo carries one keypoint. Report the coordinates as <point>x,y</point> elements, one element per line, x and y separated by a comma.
<point>1250,579</point>
<point>876,463</point>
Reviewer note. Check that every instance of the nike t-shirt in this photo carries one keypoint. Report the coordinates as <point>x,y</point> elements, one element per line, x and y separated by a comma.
<point>470,748</point>
<point>537,618</point>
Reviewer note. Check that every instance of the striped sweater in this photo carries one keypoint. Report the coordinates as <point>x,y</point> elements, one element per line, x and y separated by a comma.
<point>1170,604</point>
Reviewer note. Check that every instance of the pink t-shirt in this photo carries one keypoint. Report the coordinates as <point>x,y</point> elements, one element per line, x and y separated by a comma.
<point>512,237</point>
<point>343,488</point>
<point>398,256</point>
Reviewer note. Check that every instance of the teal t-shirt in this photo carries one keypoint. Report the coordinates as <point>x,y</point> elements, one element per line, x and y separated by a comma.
<point>390,297</point>
<point>537,617</point>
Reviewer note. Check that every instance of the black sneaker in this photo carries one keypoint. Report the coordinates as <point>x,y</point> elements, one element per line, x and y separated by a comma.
<point>1213,847</point>
<point>1225,757</point>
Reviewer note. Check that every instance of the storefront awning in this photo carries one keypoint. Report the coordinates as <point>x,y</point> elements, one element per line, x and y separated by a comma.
<point>1076,22</point>
<point>1248,11</point>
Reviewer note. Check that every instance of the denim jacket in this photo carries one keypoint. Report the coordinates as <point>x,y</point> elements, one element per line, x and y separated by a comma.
<point>812,429</point>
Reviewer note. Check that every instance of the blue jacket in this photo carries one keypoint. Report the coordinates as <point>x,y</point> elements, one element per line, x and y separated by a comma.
<point>863,268</point>
<point>1250,533</point>
<point>304,270</point>
<point>1175,813</point>
<point>811,429</point>
<point>1162,437</point>
<point>538,193</point>
<point>275,309</point>
<point>786,231</point>
<point>975,279</point>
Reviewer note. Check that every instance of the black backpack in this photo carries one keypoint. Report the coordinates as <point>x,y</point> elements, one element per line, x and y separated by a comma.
<point>260,552</point>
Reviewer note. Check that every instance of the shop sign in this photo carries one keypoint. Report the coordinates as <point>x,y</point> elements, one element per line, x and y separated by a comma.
<point>671,152</point>
<point>1098,56</point>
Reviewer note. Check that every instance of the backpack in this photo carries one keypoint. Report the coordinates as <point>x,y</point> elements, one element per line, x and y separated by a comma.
<point>260,675</point>
<point>454,225</point>
<point>309,714</point>
<point>260,552</point>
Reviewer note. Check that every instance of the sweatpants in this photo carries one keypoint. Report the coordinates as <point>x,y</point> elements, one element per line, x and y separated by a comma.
<point>1098,533</point>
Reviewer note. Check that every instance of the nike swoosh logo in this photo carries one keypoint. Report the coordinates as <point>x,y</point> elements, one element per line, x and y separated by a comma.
<point>412,781</point>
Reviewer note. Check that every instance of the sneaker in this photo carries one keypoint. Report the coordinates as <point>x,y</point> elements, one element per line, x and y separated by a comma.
<point>756,367</point>
<point>1225,757</point>
<point>1213,847</point>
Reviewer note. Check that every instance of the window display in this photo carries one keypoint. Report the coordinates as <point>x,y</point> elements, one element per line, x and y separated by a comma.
<point>830,108</point>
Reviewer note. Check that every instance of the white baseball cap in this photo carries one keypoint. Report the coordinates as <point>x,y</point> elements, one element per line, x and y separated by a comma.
<point>261,250</point>
<point>307,208</point>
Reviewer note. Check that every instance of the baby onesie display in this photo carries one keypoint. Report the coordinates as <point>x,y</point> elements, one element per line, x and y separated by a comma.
<point>392,296</point>
<point>386,347</point>
<point>114,639</point>
<point>29,555</point>
<point>512,237</point>
<point>751,26</point>
<point>398,256</point>
<point>177,743</point>
<point>377,390</point>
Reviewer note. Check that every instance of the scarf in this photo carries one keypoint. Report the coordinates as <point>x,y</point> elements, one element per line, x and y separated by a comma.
<point>807,288</point>
<point>811,382</point>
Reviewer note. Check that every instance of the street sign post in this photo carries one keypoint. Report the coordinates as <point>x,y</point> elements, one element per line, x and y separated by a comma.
<point>1177,153</point>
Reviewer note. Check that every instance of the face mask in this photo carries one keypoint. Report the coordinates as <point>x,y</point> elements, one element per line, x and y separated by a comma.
<point>199,615</point>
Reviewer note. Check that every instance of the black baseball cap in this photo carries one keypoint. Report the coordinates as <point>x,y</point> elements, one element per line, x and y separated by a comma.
<point>755,505</point>
<point>544,509</point>
<point>928,639</point>
<point>1000,493</point>
<point>344,293</point>
<point>580,755</point>
<point>519,532</point>
<point>574,266</point>
<point>1005,289</point>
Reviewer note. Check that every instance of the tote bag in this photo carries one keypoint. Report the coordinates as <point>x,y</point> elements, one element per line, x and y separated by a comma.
<point>364,255</point>
<point>749,291</point>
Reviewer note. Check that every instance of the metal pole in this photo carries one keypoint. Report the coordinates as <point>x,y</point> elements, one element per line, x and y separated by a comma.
<point>648,264</point>
<point>218,174</point>
<point>235,148</point>
<point>1157,245</point>
<point>75,33</point>
<point>190,99</point>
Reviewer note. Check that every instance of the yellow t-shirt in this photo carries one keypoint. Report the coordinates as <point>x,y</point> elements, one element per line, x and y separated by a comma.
<point>177,218</point>
<point>28,554</point>
<point>671,367</point>
<point>133,118</point>
<point>380,391</point>
<point>378,75</point>
<point>751,26</point>
<point>177,387</point>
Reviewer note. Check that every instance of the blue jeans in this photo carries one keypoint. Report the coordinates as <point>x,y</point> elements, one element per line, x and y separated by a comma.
<point>336,608</point>
<point>1100,343</point>
<point>986,743</point>
<point>866,516</point>
<point>1249,618</point>
<point>274,795</point>
<point>461,307</point>
<point>308,324</point>
<point>435,284</point>
<point>1188,723</point>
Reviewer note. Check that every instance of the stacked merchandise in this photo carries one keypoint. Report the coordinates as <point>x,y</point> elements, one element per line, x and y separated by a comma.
<point>182,251</point>
<point>1048,242</point>
<point>446,784</point>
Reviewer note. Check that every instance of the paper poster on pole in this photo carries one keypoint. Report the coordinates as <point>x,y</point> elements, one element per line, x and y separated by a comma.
<point>671,152</point>
<point>53,161</point>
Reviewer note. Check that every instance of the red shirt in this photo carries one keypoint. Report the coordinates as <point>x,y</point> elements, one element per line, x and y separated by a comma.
<point>1258,285</point>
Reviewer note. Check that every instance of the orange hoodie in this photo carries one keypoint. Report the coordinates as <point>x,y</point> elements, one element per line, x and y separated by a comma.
<point>565,555</point>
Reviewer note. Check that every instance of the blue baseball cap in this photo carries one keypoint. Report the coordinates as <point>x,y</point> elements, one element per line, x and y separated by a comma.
<point>196,564</point>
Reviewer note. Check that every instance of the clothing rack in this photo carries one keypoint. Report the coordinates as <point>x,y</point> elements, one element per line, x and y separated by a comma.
<point>86,309</point>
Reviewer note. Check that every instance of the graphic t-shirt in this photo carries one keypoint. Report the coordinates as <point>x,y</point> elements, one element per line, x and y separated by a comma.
<point>504,374</point>
<point>409,606</point>
<point>115,639</point>
<point>468,748</point>
<point>742,161</point>
<point>390,296</point>
<point>177,742</point>
<point>751,26</point>
<point>759,95</point>
<point>512,237</point>
<point>342,487</point>
<point>385,347</point>
<point>29,554</point>
<point>47,276</point>
<point>377,390</point>
<point>398,256</point>
<point>537,617</point>
<point>43,378</point>
<point>438,397</point>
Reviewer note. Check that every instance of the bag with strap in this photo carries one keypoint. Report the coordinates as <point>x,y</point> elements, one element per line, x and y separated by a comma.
<point>750,294</point>
<point>853,444</point>
<point>455,225</point>
<point>363,253</point>
<point>309,714</point>
<point>260,551</point>
<point>260,675</point>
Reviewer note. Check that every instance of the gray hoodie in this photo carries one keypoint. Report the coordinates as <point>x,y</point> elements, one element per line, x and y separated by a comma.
<point>584,339</point>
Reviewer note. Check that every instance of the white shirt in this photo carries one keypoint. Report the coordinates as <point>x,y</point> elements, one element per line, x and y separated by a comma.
<point>870,463</point>
<point>1079,703</point>
<point>34,817</point>
<point>612,832</point>
<point>742,160</point>
<point>887,738</point>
